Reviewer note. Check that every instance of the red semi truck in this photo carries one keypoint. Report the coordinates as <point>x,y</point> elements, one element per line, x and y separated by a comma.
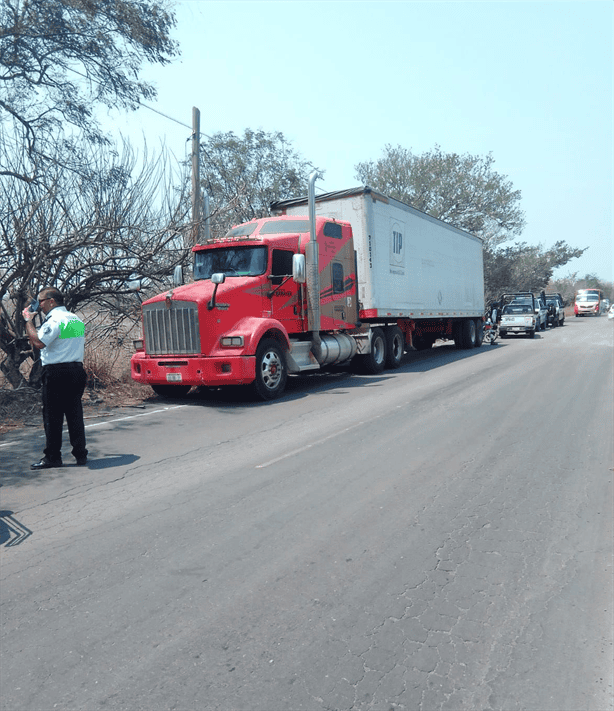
<point>345,276</point>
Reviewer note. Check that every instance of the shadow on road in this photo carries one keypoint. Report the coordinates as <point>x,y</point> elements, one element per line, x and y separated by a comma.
<point>15,470</point>
<point>327,379</point>
<point>112,460</point>
<point>12,533</point>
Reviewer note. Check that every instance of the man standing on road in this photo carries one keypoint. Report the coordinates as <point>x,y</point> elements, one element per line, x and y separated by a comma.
<point>61,340</point>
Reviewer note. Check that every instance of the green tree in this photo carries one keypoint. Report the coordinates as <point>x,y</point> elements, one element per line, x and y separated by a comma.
<point>59,59</point>
<point>590,281</point>
<point>522,267</point>
<point>465,191</point>
<point>243,174</point>
<point>568,285</point>
<point>462,190</point>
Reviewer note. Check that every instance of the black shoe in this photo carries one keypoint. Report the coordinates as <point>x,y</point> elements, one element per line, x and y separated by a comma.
<point>46,464</point>
<point>82,462</point>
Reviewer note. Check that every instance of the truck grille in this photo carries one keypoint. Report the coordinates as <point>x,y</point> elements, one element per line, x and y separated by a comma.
<point>171,331</point>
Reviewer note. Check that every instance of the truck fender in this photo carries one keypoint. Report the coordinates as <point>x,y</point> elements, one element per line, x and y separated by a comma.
<point>254,330</point>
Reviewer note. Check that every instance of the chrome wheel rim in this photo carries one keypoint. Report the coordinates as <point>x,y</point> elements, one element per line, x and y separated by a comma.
<point>271,370</point>
<point>378,350</point>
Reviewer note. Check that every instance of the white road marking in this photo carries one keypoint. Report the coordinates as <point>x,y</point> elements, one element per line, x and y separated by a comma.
<point>132,417</point>
<point>313,444</point>
<point>110,422</point>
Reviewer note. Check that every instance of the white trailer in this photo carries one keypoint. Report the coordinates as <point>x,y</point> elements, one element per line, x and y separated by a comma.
<point>411,268</point>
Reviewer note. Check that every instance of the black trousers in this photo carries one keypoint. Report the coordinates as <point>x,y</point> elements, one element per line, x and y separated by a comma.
<point>63,386</point>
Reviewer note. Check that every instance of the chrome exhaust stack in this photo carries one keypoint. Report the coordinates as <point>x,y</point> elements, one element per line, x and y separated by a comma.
<point>313,272</point>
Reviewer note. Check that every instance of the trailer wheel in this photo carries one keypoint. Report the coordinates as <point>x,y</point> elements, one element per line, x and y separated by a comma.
<point>395,347</point>
<point>170,391</point>
<point>374,362</point>
<point>468,333</point>
<point>271,370</point>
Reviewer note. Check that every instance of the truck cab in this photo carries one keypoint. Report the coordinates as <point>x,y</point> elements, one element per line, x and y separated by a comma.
<point>245,293</point>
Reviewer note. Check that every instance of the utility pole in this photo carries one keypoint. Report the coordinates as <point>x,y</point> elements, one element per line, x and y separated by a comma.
<point>196,202</point>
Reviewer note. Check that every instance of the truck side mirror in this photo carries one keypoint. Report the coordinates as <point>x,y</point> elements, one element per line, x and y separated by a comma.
<point>217,279</point>
<point>178,276</point>
<point>299,273</point>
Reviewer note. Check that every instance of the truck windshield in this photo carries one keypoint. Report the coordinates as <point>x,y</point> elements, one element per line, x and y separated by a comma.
<point>231,261</point>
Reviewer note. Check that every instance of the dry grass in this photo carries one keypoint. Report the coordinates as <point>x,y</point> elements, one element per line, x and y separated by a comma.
<point>109,385</point>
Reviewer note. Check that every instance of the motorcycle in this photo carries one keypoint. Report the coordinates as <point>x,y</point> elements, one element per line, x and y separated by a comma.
<point>491,332</point>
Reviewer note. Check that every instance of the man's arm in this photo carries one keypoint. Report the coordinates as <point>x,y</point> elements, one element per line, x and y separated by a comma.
<point>33,335</point>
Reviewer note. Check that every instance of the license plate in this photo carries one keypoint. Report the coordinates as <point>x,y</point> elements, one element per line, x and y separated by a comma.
<point>173,377</point>
<point>516,328</point>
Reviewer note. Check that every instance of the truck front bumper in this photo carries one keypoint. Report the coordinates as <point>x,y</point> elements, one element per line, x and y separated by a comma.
<point>177,370</point>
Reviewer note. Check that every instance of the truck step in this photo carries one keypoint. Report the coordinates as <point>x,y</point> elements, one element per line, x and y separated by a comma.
<point>300,357</point>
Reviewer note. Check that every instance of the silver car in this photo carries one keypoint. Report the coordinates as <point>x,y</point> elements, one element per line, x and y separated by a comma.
<point>518,319</point>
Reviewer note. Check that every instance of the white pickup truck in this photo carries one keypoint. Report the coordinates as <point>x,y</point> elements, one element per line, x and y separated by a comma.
<point>518,319</point>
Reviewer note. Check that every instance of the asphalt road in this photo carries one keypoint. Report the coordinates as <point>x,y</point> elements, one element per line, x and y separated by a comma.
<point>438,537</point>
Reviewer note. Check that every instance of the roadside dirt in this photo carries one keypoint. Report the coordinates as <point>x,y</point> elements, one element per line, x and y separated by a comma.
<point>23,408</point>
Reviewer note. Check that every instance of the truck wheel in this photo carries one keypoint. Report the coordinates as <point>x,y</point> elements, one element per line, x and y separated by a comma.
<point>468,333</point>
<point>532,334</point>
<point>271,370</point>
<point>373,363</point>
<point>479,332</point>
<point>395,347</point>
<point>170,391</point>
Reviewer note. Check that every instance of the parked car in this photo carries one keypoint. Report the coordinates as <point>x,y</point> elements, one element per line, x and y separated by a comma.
<point>538,305</point>
<point>587,304</point>
<point>556,309</point>
<point>518,319</point>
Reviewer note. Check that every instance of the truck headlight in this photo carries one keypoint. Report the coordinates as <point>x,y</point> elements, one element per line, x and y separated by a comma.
<point>232,342</point>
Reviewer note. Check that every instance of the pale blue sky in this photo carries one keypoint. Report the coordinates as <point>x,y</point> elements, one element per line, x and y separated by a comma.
<point>530,82</point>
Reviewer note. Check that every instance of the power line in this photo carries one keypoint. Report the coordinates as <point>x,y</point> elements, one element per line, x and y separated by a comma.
<point>140,103</point>
<point>170,118</point>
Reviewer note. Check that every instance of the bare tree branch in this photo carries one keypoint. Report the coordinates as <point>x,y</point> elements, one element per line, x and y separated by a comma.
<point>90,235</point>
